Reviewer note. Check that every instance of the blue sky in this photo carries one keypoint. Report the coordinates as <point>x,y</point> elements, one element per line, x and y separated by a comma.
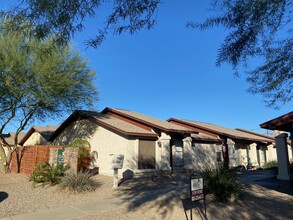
<point>170,72</point>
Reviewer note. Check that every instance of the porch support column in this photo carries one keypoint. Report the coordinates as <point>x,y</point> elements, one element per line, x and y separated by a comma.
<point>291,147</point>
<point>165,152</point>
<point>187,153</point>
<point>253,154</point>
<point>282,155</point>
<point>231,152</point>
<point>270,153</point>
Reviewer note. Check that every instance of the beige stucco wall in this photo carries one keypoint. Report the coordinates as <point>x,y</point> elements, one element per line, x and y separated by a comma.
<point>290,153</point>
<point>103,143</point>
<point>83,129</point>
<point>265,154</point>
<point>159,154</point>
<point>36,139</point>
<point>106,142</point>
<point>233,153</point>
<point>272,153</point>
<point>204,155</point>
<point>242,156</point>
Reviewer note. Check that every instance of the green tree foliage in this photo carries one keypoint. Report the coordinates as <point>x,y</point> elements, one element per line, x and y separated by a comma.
<point>38,80</point>
<point>254,25</point>
<point>257,30</point>
<point>65,18</point>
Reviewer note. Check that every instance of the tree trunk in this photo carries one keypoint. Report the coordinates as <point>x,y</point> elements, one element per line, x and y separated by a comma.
<point>3,160</point>
<point>18,160</point>
<point>8,161</point>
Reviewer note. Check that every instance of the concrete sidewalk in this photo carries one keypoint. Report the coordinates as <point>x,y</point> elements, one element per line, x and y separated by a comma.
<point>71,212</point>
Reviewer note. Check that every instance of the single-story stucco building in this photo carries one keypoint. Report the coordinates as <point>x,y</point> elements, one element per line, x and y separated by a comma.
<point>148,144</point>
<point>37,135</point>
<point>241,147</point>
<point>152,145</point>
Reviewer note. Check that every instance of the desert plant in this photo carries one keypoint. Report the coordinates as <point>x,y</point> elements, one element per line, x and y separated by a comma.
<point>48,174</point>
<point>222,183</point>
<point>270,165</point>
<point>79,182</point>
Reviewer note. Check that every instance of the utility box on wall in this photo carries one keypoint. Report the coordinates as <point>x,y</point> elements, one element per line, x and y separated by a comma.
<point>116,161</point>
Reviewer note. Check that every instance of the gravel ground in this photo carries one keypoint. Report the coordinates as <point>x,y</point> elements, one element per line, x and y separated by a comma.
<point>164,203</point>
<point>24,198</point>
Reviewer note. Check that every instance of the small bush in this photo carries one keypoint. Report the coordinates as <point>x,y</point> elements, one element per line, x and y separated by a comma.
<point>270,165</point>
<point>222,183</point>
<point>79,182</point>
<point>47,174</point>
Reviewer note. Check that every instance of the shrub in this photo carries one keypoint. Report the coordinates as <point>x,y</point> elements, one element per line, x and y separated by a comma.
<point>79,182</point>
<point>271,165</point>
<point>222,183</point>
<point>47,174</point>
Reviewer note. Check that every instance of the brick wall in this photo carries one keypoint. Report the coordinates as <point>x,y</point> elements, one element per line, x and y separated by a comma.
<point>72,158</point>
<point>32,156</point>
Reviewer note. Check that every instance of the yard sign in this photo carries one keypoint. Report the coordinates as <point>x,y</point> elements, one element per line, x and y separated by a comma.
<point>196,186</point>
<point>196,191</point>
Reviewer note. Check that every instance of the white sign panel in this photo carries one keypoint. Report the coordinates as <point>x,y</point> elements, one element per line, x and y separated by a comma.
<point>116,161</point>
<point>196,185</point>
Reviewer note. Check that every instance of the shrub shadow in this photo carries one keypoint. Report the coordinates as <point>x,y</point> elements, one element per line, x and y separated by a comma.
<point>3,196</point>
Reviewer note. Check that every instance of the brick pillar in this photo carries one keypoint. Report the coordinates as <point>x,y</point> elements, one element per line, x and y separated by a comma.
<point>71,159</point>
<point>53,156</point>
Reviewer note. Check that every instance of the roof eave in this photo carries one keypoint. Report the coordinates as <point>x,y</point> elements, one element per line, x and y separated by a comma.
<point>196,126</point>
<point>146,122</point>
<point>277,123</point>
<point>27,135</point>
<point>124,132</point>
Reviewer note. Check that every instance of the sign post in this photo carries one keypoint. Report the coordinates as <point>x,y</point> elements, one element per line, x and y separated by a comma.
<point>116,161</point>
<point>196,191</point>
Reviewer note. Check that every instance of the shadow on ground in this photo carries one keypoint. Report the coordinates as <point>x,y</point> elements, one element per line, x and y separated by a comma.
<point>3,196</point>
<point>267,179</point>
<point>258,203</point>
<point>190,207</point>
<point>165,192</point>
<point>169,194</point>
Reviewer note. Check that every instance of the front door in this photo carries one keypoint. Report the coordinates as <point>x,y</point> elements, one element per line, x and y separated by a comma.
<point>177,156</point>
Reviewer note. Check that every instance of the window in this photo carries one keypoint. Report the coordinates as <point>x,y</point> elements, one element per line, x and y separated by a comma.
<point>147,154</point>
